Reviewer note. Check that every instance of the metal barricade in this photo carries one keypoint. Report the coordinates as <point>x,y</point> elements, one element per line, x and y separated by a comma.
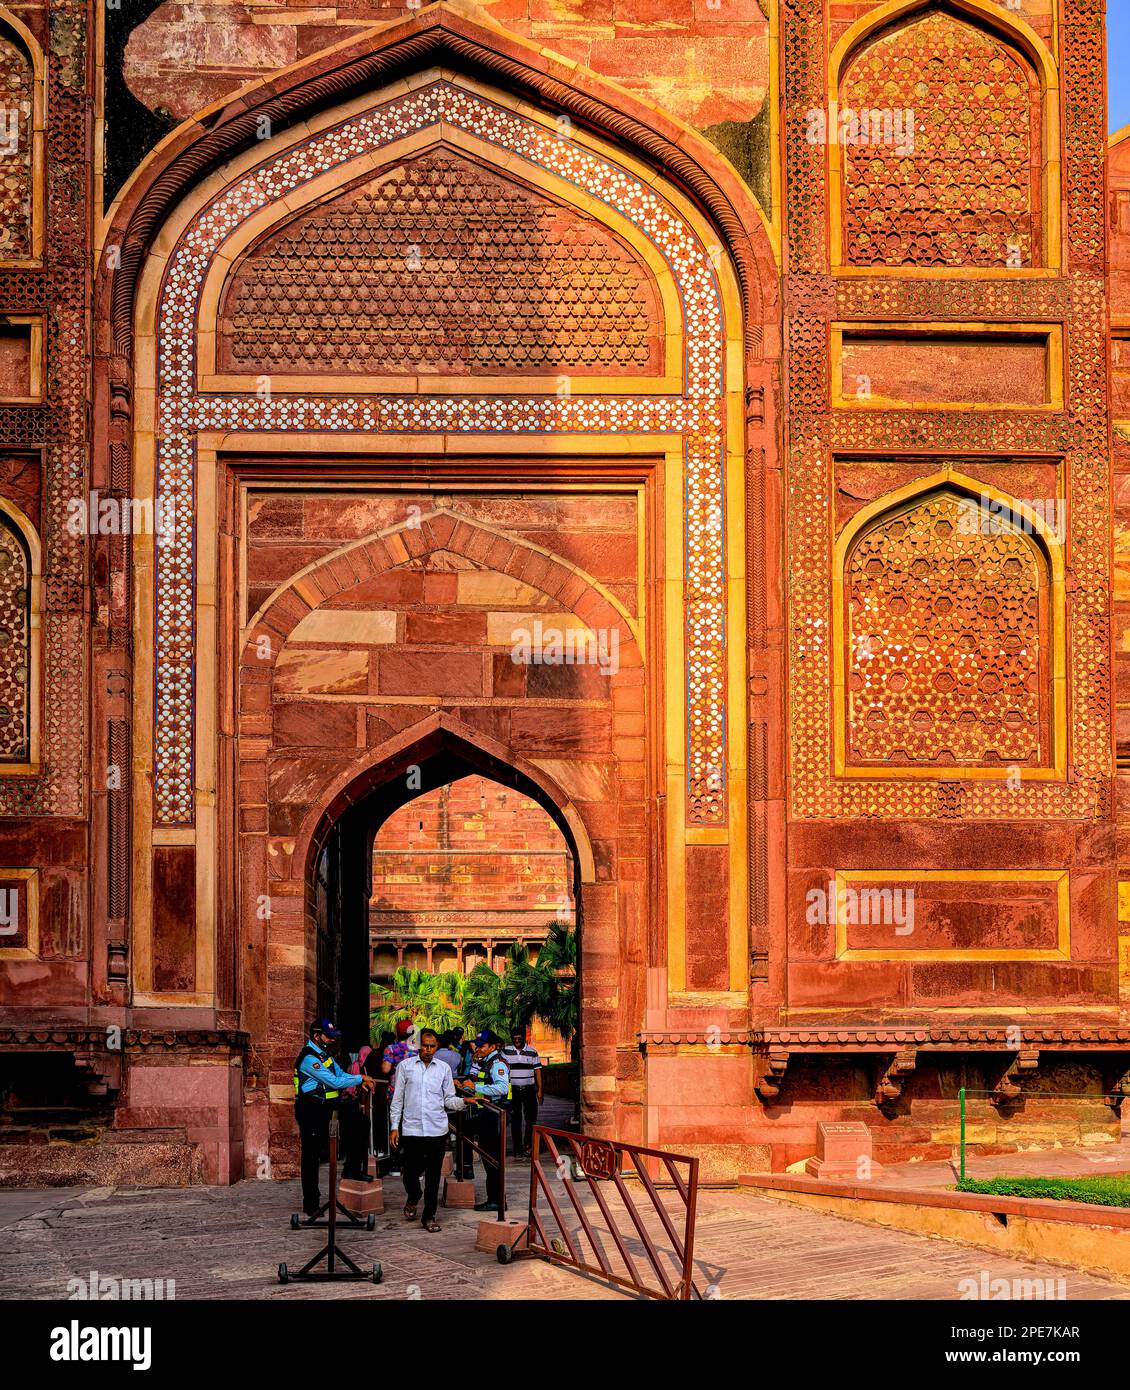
<point>662,1263</point>
<point>463,1141</point>
<point>379,1111</point>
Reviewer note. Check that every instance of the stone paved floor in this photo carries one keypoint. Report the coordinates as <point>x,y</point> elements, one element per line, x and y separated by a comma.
<point>225,1243</point>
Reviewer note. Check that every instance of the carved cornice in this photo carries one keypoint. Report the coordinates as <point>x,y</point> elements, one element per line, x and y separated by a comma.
<point>995,1038</point>
<point>696,1037</point>
<point>86,1040</point>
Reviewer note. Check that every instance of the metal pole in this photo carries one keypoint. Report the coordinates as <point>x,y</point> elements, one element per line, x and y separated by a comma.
<point>459,1156</point>
<point>961,1096</point>
<point>502,1163</point>
<point>333,1188</point>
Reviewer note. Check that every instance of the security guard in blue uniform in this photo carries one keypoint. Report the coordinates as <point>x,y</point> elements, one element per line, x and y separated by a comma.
<point>318,1082</point>
<point>489,1080</point>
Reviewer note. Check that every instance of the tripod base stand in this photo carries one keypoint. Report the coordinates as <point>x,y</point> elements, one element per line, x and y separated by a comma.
<point>300,1223</point>
<point>330,1253</point>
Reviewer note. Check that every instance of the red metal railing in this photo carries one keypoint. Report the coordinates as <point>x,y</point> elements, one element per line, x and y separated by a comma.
<point>655,1248</point>
<point>464,1141</point>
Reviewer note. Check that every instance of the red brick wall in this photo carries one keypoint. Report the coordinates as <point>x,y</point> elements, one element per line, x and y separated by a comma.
<point>475,849</point>
<point>595,531</point>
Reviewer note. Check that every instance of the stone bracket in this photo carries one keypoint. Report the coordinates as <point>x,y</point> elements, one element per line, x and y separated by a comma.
<point>769,1069</point>
<point>1008,1087</point>
<point>1116,1084</point>
<point>100,1071</point>
<point>888,1087</point>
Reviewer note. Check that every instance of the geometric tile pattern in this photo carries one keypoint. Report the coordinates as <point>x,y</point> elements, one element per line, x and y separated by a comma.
<point>960,190</point>
<point>696,414</point>
<point>59,427</point>
<point>441,267</point>
<point>944,608</point>
<point>1078,436</point>
<point>16,86</point>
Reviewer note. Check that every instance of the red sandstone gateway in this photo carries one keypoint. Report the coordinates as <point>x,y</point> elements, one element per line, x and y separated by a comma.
<point>649,472</point>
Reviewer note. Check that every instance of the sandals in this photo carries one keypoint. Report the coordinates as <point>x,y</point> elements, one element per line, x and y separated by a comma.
<point>410,1215</point>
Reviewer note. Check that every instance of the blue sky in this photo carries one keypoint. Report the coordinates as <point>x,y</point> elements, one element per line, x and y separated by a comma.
<point>1118,61</point>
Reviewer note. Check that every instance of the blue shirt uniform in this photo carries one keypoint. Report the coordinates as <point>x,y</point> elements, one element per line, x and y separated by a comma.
<point>492,1079</point>
<point>318,1072</point>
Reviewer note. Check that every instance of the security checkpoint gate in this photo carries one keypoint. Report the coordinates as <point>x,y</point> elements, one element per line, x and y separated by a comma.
<point>655,1246</point>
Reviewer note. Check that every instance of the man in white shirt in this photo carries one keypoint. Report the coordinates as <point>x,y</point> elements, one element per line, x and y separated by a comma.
<point>423,1092</point>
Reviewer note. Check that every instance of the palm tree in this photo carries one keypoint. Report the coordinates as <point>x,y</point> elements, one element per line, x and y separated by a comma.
<point>482,1001</point>
<point>430,1001</point>
<point>557,960</point>
<point>548,989</point>
<point>521,987</point>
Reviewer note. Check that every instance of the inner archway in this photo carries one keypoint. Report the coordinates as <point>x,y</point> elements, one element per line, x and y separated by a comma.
<point>462,878</point>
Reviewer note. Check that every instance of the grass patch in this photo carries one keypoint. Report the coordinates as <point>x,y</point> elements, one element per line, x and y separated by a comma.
<point>1106,1190</point>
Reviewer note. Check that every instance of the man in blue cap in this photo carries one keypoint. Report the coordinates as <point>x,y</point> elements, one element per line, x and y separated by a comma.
<point>318,1082</point>
<point>490,1081</point>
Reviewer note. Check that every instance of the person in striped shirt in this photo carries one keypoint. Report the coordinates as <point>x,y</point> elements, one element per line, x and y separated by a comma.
<point>525,1087</point>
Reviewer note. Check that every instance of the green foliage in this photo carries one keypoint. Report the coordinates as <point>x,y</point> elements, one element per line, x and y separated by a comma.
<point>482,1002</point>
<point>524,991</point>
<point>431,1001</point>
<point>1105,1190</point>
<point>548,989</point>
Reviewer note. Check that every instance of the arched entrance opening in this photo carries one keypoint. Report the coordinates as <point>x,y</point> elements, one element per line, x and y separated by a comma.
<point>355,914</point>
<point>468,879</point>
<point>336,848</point>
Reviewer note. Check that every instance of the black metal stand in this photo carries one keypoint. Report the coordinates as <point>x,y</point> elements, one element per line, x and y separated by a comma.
<point>301,1223</point>
<point>330,1252</point>
<point>357,1223</point>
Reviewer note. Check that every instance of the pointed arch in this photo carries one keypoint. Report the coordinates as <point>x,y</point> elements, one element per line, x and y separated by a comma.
<point>1009,24</point>
<point>15,33</point>
<point>474,171</point>
<point>373,785</point>
<point>996,513</point>
<point>25,614</point>
<point>441,732</point>
<point>437,34</point>
<point>1008,28</point>
<point>441,529</point>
